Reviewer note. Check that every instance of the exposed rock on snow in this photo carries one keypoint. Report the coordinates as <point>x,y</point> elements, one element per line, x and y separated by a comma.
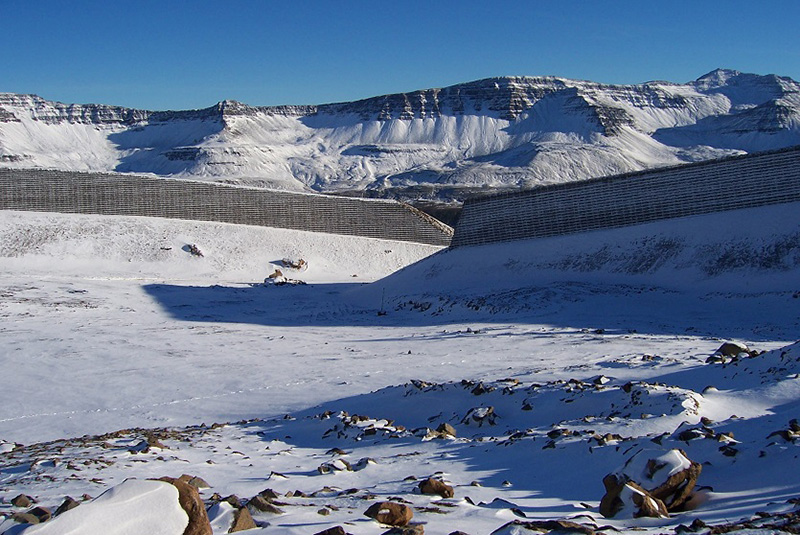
<point>66,505</point>
<point>446,429</point>
<point>732,349</point>
<point>242,521</point>
<point>390,513</point>
<point>259,504</point>
<point>654,481</point>
<point>436,486</point>
<point>477,416</point>
<point>335,530</point>
<point>22,500</point>
<point>191,503</point>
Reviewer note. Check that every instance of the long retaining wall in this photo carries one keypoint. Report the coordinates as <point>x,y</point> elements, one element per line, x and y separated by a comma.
<point>116,194</point>
<point>622,200</point>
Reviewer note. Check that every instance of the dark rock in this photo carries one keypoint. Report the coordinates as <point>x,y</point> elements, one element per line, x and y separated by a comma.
<point>335,530</point>
<point>154,442</point>
<point>678,488</point>
<point>611,503</point>
<point>731,349</point>
<point>66,505</point>
<point>25,518</point>
<point>196,482</point>
<point>446,429</point>
<point>649,506</point>
<point>233,500</point>
<point>481,389</point>
<point>42,513</point>
<point>655,482</point>
<point>363,463</point>
<point>269,494</point>
<point>390,513</point>
<point>261,505</point>
<point>242,520</point>
<point>337,465</point>
<point>479,416</point>
<point>435,486</point>
<point>22,500</point>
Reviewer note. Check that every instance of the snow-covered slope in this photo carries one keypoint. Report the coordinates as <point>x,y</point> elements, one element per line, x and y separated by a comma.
<point>554,361</point>
<point>493,133</point>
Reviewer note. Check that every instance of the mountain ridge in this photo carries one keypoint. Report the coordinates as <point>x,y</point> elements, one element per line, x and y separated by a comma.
<point>442,143</point>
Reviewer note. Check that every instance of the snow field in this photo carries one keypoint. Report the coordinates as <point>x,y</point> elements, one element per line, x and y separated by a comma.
<point>555,361</point>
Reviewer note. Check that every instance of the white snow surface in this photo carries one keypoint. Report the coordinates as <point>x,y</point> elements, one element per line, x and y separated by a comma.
<point>588,348</point>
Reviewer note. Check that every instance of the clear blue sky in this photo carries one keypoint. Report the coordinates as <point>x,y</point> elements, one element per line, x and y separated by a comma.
<point>164,54</point>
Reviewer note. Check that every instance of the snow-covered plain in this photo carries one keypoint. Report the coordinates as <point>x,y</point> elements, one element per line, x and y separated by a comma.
<point>587,348</point>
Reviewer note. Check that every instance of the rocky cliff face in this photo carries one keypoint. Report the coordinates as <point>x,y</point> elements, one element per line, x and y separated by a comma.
<point>505,132</point>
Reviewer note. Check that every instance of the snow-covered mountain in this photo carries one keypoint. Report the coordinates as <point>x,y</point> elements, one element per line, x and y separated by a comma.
<point>495,133</point>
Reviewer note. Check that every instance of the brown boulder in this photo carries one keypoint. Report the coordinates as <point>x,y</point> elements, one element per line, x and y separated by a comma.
<point>189,499</point>
<point>66,505</point>
<point>269,495</point>
<point>22,500</point>
<point>732,349</point>
<point>446,429</point>
<point>435,486</point>
<point>390,513</point>
<point>260,504</point>
<point>42,513</point>
<point>669,477</point>
<point>196,482</point>
<point>622,493</point>
<point>25,518</point>
<point>678,488</point>
<point>242,520</point>
<point>610,504</point>
<point>646,504</point>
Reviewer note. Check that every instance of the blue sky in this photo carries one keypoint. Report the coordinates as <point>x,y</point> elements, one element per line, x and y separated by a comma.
<point>190,54</point>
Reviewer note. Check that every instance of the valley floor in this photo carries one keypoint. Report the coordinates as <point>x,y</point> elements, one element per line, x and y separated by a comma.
<point>111,324</point>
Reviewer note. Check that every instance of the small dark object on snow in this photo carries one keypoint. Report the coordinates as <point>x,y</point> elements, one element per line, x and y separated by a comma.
<point>194,250</point>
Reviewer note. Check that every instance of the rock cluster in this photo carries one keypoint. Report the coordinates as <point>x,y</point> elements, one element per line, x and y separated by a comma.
<point>651,483</point>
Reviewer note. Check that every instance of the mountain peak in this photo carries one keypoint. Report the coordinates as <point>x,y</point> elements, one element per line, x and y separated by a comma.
<point>717,77</point>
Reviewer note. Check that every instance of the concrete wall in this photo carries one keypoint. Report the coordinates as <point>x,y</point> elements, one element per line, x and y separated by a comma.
<point>629,199</point>
<point>116,194</point>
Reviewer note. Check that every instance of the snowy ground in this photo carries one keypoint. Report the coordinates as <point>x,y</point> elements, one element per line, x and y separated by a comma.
<point>586,347</point>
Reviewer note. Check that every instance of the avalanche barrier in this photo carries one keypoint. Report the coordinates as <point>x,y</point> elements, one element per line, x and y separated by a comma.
<point>42,190</point>
<point>629,199</point>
